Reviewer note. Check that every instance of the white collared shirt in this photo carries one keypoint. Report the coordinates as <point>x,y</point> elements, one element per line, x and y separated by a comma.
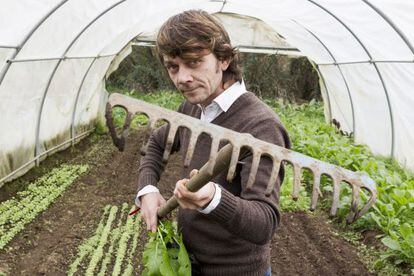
<point>220,104</point>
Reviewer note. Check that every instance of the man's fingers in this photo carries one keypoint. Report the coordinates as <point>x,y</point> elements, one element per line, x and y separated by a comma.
<point>185,204</point>
<point>149,205</point>
<point>153,224</point>
<point>193,200</point>
<point>151,221</point>
<point>193,173</point>
<point>181,191</point>
<point>180,188</point>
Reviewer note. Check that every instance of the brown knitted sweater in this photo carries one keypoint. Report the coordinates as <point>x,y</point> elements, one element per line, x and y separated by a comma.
<point>234,239</point>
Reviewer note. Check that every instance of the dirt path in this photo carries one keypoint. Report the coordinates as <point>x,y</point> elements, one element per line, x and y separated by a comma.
<point>303,245</point>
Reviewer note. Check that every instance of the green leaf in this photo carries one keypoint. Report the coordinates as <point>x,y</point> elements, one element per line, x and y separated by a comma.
<point>165,266</point>
<point>405,230</point>
<point>152,258</point>
<point>165,253</point>
<point>390,243</point>
<point>183,260</point>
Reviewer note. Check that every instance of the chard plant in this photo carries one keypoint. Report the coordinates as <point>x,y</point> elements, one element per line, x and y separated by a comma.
<point>165,253</point>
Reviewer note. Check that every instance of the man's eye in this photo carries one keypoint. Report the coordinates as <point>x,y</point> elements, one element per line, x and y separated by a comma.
<point>172,67</point>
<point>194,63</point>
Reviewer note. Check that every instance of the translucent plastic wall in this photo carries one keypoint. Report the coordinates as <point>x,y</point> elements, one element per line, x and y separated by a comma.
<point>54,56</point>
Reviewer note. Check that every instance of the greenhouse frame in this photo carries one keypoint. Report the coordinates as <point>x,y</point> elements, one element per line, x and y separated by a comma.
<point>56,55</point>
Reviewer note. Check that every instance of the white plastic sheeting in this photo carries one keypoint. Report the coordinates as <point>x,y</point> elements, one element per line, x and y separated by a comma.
<point>55,54</point>
<point>248,34</point>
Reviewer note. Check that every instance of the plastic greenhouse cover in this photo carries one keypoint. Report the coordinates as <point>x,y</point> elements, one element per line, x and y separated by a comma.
<point>55,55</point>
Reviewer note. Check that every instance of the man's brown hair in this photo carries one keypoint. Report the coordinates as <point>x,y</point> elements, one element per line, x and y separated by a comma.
<point>189,34</point>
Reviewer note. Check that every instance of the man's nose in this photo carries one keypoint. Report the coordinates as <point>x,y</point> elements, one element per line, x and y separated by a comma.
<point>184,75</point>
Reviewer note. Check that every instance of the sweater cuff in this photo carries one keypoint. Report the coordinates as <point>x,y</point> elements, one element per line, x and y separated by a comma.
<point>213,203</point>
<point>226,210</point>
<point>146,190</point>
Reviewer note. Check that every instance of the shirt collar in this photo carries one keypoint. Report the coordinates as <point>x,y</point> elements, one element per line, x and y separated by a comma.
<point>230,95</point>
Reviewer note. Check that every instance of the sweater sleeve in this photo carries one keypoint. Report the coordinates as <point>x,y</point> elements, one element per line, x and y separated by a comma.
<point>253,216</point>
<point>151,165</point>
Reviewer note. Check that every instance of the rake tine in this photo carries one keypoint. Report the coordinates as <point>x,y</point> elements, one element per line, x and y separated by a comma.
<point>127,124</point>
<point>316,191</point>
<point>242,142</point>
<point>296,182</point>
<point>273,176</point>
<point>335,196</point>
<point>170,140</point>
<point>118,141</point>
<point>233,163</point>
<point>354,204</point>
<point>213,154</point>
<point>151,125</point>
<point>147,134</point>
<point>368,205</point>
<point>253,169</point>
<point>190,149</point>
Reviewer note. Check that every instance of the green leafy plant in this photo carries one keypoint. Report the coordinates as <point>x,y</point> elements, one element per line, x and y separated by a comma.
<point>311,135</point>
<point>17,212</point>
<point>165,253</point>
<point>113,247</point>
<point>393,212</point>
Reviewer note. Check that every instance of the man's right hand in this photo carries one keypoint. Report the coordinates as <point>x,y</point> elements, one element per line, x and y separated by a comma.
<point>149,206</point>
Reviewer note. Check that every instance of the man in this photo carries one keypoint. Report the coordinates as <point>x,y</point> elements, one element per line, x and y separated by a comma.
<point>225,227</point>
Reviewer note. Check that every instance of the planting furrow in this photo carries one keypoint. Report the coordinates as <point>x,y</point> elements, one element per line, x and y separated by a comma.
<point>115,235</point>
<point>98,253</point>
<point>122,247</point>
<point>136,229</point>
<point>88,247</point>
<point>111,246</point>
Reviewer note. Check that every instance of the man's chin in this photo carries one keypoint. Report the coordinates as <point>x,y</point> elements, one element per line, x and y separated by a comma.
<point>193,100</point>
<point>191,97</point>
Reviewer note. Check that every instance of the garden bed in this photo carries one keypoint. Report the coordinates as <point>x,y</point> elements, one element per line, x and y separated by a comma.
<point>304,244</point>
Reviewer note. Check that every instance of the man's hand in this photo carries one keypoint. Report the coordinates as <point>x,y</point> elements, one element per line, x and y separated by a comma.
<point>190,200</point>
<point>149,206</point>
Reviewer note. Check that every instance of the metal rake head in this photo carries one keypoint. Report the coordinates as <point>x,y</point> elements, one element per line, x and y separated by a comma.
<point>258,148</point>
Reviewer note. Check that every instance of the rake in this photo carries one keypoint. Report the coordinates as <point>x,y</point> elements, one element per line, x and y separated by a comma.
<point>228,156</point>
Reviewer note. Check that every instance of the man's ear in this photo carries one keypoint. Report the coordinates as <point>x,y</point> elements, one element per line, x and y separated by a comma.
<point>224,64</point>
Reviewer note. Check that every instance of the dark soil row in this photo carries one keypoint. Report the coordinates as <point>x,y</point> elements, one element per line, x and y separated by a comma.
<point>303,245</point>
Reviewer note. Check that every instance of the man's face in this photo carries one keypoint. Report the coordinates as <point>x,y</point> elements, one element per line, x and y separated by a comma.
<point>200,80</point>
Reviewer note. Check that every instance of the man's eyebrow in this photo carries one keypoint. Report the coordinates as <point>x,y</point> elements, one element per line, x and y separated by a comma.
<point>168,62</point>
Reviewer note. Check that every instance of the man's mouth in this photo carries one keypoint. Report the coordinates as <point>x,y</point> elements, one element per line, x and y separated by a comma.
<point>189,90</point>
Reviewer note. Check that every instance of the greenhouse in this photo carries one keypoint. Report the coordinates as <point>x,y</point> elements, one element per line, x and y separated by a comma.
<point>57,55</point>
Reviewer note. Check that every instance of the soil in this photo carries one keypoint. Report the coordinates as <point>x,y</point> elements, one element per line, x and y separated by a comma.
<point>304,244</point>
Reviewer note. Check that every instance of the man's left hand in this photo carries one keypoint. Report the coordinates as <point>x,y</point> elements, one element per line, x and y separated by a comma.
<point>193,200</point>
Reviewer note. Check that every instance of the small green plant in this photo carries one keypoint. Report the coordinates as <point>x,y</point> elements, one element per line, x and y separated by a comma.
<point>165,253</point>
<point>17,212</point>
<point>112,248</point>
<point>393,212</point>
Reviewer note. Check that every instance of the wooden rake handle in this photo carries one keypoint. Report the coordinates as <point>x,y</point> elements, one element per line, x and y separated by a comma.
<point>201,178</point>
